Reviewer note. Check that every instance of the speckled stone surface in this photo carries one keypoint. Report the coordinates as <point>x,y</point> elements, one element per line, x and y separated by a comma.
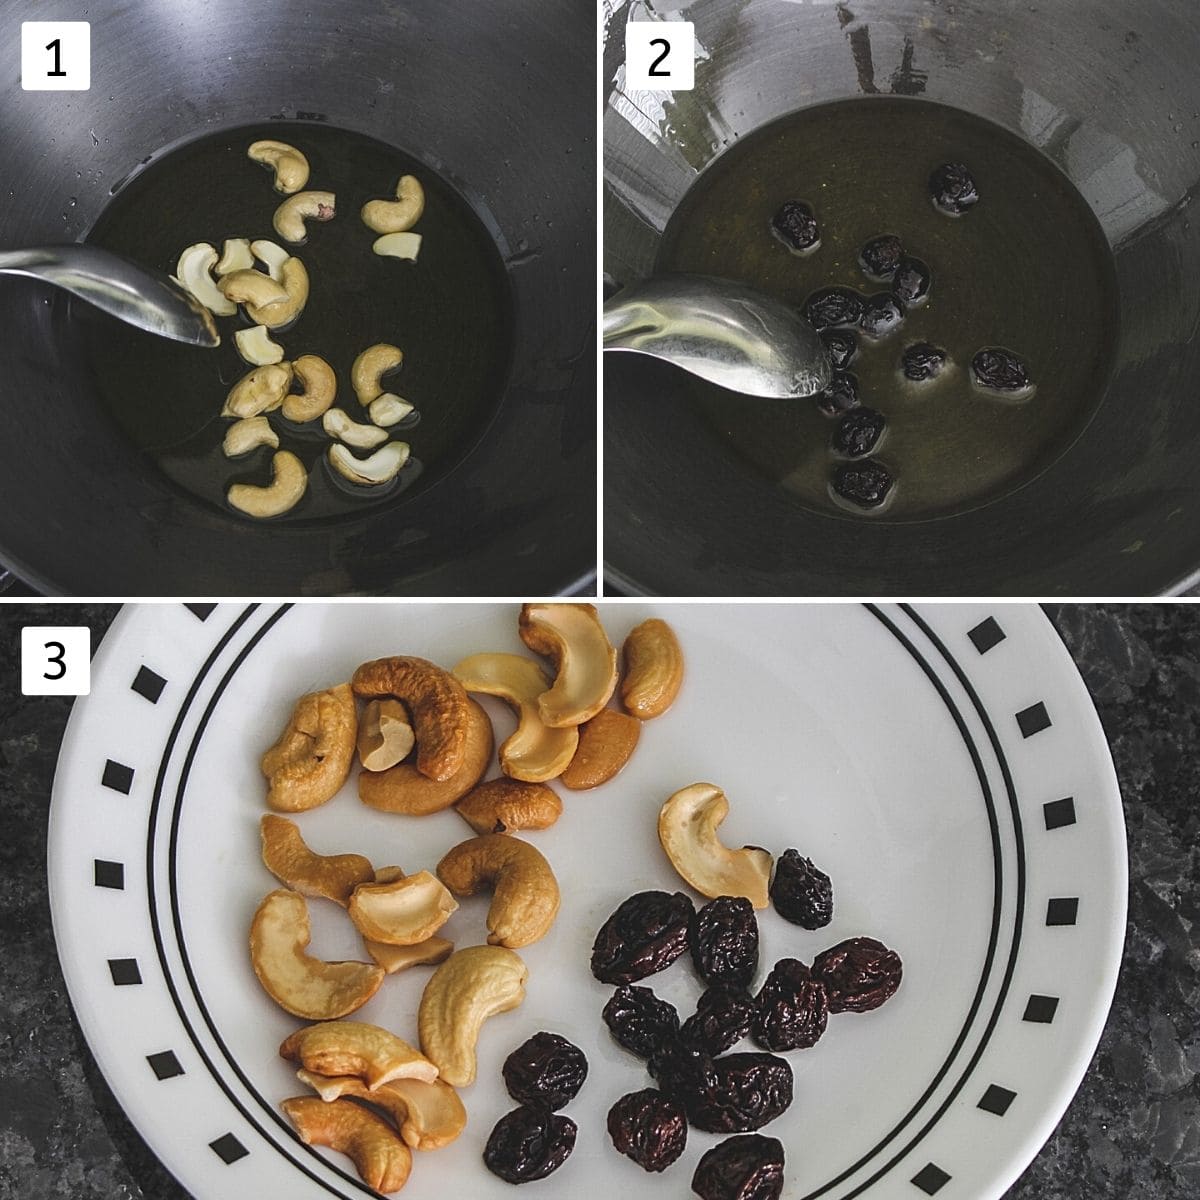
<point>1133,1131</point>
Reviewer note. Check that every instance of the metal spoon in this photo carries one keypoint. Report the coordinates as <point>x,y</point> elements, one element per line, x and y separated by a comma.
<point>723,332</point>
<point>121,288</point>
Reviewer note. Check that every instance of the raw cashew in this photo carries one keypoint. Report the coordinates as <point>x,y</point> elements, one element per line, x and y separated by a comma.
<point>503,805</point>
<point>402,913</point>
<point>653,669</point>
<point>255,346</point>
<point>311,759</point>
<point>337,423</point>
<point>398,245</point>
<point>258,391</point>
<point>235,256</point>
<point>370,366</point>
<point>380,1155</point>
<point>289,165</point>
<point>388,409</point>
<point>252,288</point>
<point>572,637</point>
<point>380,467</point>
<point>288,484</point>
<point>398,958</point>
<point>385,736</point>
<point>317,379</point>
<point>470,986</point>
<point>304,206</point>
<point>374,1054</point>
<point>248,434</point>
<point>294,281</point>
<point>395,216</point>
<point>288,858</point>
<point>525,894</point>
<point>194,273</point>
<point>272,255</point>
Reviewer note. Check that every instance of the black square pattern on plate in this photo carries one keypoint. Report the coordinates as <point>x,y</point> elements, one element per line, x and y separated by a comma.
<point>1059,813</point>
<point>109,874</point>
<point>1041,1009</point>
<point>931,1179</point>
<point>146,683</point>
<point>1033,719</point>
<point>1063,910</point>
<point>200,611</point>
<point>124,971</point>
<point>986,634</point>
<point>228,1148</point>
<point>997,1100</point>
<point>117,776</point>
<point>164,1064</point>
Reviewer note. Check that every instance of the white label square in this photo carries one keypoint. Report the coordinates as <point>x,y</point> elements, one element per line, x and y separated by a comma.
<point>56,56</point>
<point>56,660</point>
<point>660,56</point>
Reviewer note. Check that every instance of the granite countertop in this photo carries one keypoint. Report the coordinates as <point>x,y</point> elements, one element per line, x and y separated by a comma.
<point>1132,1131</point>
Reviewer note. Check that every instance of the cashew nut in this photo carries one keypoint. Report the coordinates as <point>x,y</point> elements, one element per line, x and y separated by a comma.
<point>395,216</point>
<point>535,752</point>
<point>374,1054</point>
<point>255,346</point>
<point>653,669</point>
<point>288,858</point>
<point>370,366</point>
<point>337,423</point>
<point>194,273</point>
<point>258,391</point>
<point>305,986</point>
<point>252,288</point>
<point>311,759</point>
<point>381,467</point>
<point>398,958</point>
<point>503,805</point>
<point>380,1155</point>
<point>385,737</point>
<point>398,245</point>
<point>571,636</point>
<point>289,165</point>
<point>272,255</point>
<point>288,484</point>
<point>388,874</point>
<point>304,206</point>
<point>317,379</point>
<point>606,743</point>
<point>248,434</point>
<point>470,986</point>
<point>388,409</point>
<point>235,256</point>
<point>403,789</point>
<point>525,895</point>
<point>402,913</point>
<point>293,278</point>
<point>687,828</point>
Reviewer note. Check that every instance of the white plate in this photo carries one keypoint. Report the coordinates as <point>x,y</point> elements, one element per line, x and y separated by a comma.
<point>944,765</point>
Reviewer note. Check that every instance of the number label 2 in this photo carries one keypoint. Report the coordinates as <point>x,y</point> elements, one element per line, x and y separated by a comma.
<point>660,56</point>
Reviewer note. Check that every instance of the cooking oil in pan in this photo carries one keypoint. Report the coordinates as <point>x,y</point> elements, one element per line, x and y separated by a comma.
<point>449,313</point>
<point>1027,269</point>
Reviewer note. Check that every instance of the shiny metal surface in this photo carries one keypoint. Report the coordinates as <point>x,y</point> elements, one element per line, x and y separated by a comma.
<point>721,331</point>
<point>118,287</point>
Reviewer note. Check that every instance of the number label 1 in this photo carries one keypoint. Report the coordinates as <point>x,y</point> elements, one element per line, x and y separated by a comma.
<point>660,56</point>
<point>56,56</point>
<point>56,660</point>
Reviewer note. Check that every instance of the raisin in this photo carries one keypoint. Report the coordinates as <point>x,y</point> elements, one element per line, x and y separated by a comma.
<point>801,894</point>
<point>859,974</point>
<point>833,306</point>
<point>912,281</point>
<point>723,937</point>
<point>746,1167</point>
<point>796,227</point>
<point>840,396</point>
<point>792,1008</point>
<point>529,1143</point>
<point>639,1020</point>
<point>858,432</point>
<point>748,1091</point>
<point>645,934</point>
<point>880,257</point>
<point>1000,370</point>
<point>923,361</point>
<point>649,1127</point>
<point>863,483</point>
<point>953,189</point>
<point>682,1069</point>
<point>842,346</point>
<point>546,1070</point>
<point>723,1016</point>
<point>881,314</point>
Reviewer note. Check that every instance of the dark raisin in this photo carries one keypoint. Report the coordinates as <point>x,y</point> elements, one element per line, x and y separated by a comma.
<point>912,281</point>
<point>923,361</point>
<point>792,1008</point>
<point>840,396</point>
<point>859,974</point>
<point>645,934</point>
<point>529,1143</point>
<point>863,483</point>
<point>546,1069</point>
<point>639,1020</point>
<point>801,894</point>
<point>723,1016</point>
<point>649,1127</point>
<point>682,1068</point>
<point>723,938</point>
<point>746,1167</point>
<point>880,257</point>
<point>748,1091</point>
<point>999,369</point>
<point>796,227</point>
<point>881,314</point>
<point>842,346</point>
<point>831,307</point>
<point>952,188</point>
<point>858,432</point>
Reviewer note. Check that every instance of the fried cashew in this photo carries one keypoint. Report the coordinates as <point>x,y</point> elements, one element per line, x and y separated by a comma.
<point>256,347</point>
<point>585,663</point>
<point>398,245</point>
<point>272,256</point>
<point>370,367</point>
<point>258,391</point>
<point>293,279</point>
<point>374,1054</point>
<point>252,288</point>
<point>315,376</point>
<point>396,216</point>
<point>385,736</point>
<point>402,913</point>
<point>399,958</point>
<point>286,855</point>
<point>311,760</point>
<point>194,273</point>
<point>653,669</point>
<point>289,482</point>
<point>381,467</point>
<point>505,805</point>
<point>248,434</point>
<point>380,1155</point>
<point>289,165</point>
<point>606,744</point>
<point>388,409</point>
<point>291,215</point>
<point>338,423</point>
<point>235,256</point>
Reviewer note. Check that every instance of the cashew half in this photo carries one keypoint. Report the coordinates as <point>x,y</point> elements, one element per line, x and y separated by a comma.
<point>255,346</point>
<point>398,245</point>
<point>311,760</point>
<point>573,638</point>
<point>235,256</point>
<point>374,1054</point>
<point>248,434</point>
<point>305,986</point>
<point>525,894</point>
<point>399,958</point>
<point>687,828</point>
<point>395,216</point>
<point>258,391</point>
<point>606,744</point>
<point>337,423</point>
<point>385,736</point>
<point>293,278</point>
<point>252,288</point>
<point>470,986</point>
<point>370,366</point>
<point>402,913</point>
<point>504,805</point>
<point>317,379</point>
<point>289,165</point>
<point>380,1155</point>
<point>272,255</point>
<point>288,858</point>
<point>535,752</point>
<point>381,467</point>
<point>653,669</point>
<point>194,272</point>
<point>388,409</point>
<point>288,484</point>
<point>304,206</point>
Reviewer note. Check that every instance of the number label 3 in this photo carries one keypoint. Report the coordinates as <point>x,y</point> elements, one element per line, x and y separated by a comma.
<point>56,660</point>
<point>660,56</point>
<point>56,56</point>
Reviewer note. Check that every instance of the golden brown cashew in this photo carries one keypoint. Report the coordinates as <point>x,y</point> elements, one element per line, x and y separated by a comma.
<point>395,216</point>
<point>374,1054</point>
<point>288,484</point>
<point>370,367</point>
<point>402,913</point>
<point>252,288</point>
<point>317,379</point>
<point>289,165</point>
<point>312,757</point>
<point>385,736</point>
<point>525,895</point>
<point>303,206</point>
<point>571,636</point>
<point>289,859</point>
<point>293,278</point>
<point>653,669</point>
<point>399,958</point>
<point>606,744</point>
<point>505,805</point>
<point>258,391</point>
<point>248,434</point>
<point>436,702</point>
<point>380,1155</point>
